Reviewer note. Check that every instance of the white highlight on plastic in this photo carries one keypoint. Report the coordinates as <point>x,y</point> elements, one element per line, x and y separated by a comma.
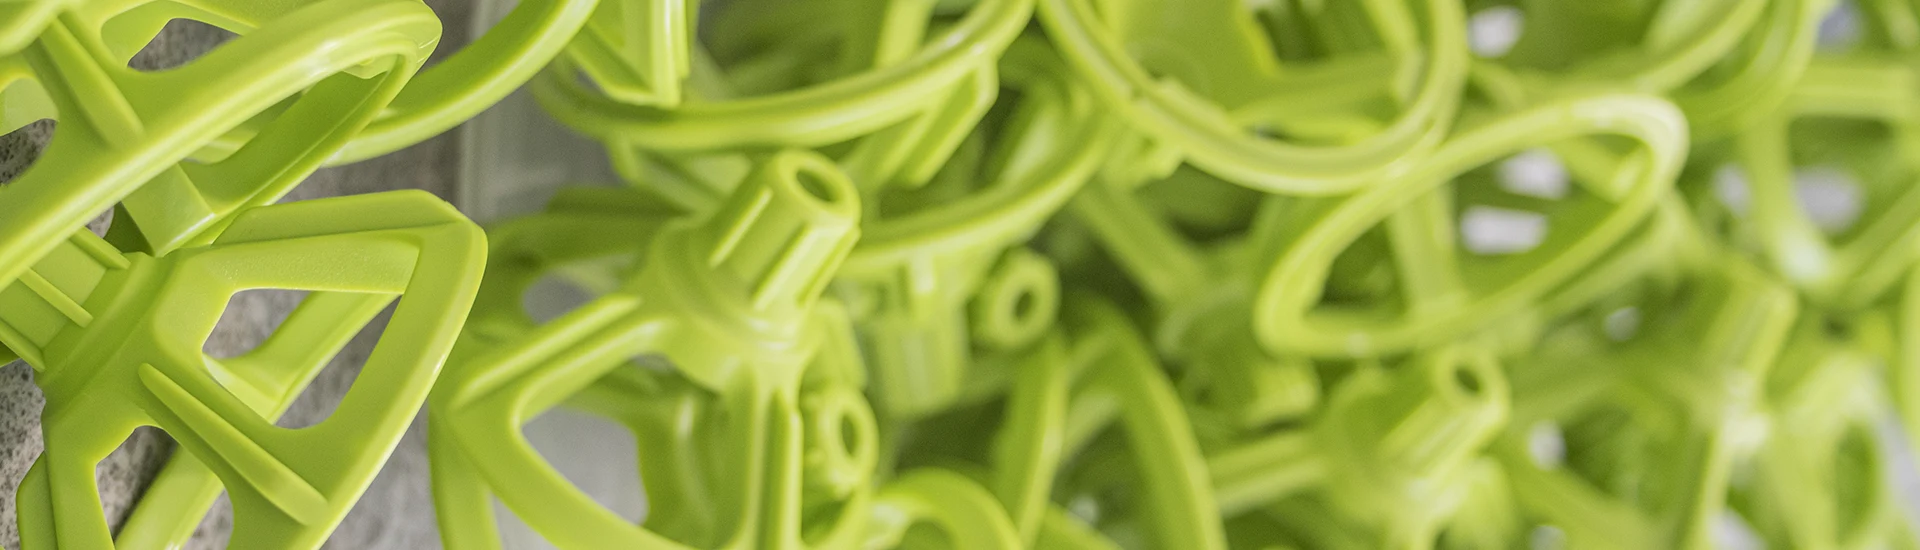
<point>1494,231</point>
<point>1830,197</point>
<point>1840,29</point>
<point>1546,537</point>
<point>1537,173</point>
<point>1731,532</point>
<point>1730,186</point>
<point>1546,445</point>
<point>1622,323</point>
<point>1493,31</point>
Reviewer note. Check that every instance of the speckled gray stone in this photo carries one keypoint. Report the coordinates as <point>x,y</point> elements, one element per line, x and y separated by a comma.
<point>396,511</point>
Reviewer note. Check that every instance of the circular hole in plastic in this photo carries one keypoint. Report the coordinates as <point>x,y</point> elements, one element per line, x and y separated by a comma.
<point>1023,304</point>
<point>1467,380</point>
<point>815,185</point>
<point>849,434</point>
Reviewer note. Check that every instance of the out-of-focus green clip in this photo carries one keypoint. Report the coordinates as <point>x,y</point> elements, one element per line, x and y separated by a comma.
<point>1724,62</point>
<point>1354,91</point>
<point>1444,294</point>
<point>1390,452</point>
<point>1643,414</point>
<point>1820,480</point>
<point>1850,126</point>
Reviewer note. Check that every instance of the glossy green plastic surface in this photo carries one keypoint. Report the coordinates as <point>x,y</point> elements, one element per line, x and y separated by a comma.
<point>981,274</point>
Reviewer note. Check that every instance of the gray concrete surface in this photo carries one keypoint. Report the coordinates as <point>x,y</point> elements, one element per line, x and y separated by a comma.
<point>396,511</point>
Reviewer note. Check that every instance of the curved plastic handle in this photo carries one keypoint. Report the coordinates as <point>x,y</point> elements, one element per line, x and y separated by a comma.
<point>1180,506</point>
<point>1205,113</point>
<point>958,507</point>
<point>818,115</point>
<point>442,96</point>
<point>1446,295</point>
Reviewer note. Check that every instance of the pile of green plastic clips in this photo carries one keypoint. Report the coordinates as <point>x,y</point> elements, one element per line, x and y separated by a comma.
<point>977,274</point>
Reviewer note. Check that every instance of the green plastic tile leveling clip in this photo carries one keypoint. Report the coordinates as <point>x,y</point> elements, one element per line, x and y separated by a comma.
<point>125,134</point>
<point>1685,388</point>
<point>729,301</point>
<point>817,115</point>
<point>1448,293</point>
<point>1202,77</point>
<point>116,342</point>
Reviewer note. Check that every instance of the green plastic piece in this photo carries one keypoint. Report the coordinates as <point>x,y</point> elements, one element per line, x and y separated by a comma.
<point>1723,62</point>
<point>1388,451</point>
<point>730,301</point>
<point>1208,84</point>
<point>1815,393</point>
<point>1447,294</point>
<point>1652,426</point>
<point>880,96</point>
<point>115,340</point>
<point>920,268</point>
<point>1200,300</point>
<point>437,99</point>
<point>124,134</point>
<point>838,305</point>
<point>1118,387</point>
<point>1853,116</point>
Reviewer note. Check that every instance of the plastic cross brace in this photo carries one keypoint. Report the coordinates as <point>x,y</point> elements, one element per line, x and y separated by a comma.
<point>1201,305</point>
<point>1449,294</point>
<point>116,340</point>
<point>1688,382</point>
<point>1207,83</point>
<point>120,142</point>
<point>817,115</point>
<point>124,134</point>
<point>1390,451</point>
<point>21,21</point>
<point>440,97</point>
<point>1848,271</point>
<point>729,300</point>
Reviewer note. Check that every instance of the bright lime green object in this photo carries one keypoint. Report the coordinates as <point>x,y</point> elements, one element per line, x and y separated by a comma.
<point>116,342</point>
<point>902,80</point>
<point>123,134</point>
<point>440,97</point>
<point>730,301</point>
<point>1203,78</point>
<point>1447,293</point>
